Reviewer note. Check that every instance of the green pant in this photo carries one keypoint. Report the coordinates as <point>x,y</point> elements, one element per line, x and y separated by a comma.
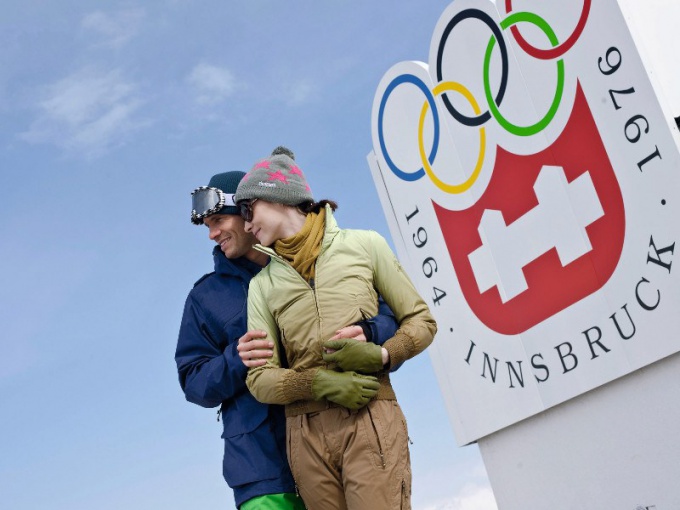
<point>283,501</point>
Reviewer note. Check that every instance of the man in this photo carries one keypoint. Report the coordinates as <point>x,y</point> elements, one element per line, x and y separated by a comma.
<point>214,352</point>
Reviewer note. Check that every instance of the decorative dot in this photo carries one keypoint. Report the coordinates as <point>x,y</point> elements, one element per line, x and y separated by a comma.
<point>663,201</point>
<point>451,330</point>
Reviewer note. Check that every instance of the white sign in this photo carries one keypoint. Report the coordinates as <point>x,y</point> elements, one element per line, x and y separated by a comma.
<point>531,183</point>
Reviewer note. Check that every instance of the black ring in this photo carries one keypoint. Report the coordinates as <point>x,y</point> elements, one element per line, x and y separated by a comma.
<point>484,17</point>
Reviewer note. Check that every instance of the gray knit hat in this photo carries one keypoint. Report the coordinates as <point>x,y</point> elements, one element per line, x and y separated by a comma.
<point>275,179</point>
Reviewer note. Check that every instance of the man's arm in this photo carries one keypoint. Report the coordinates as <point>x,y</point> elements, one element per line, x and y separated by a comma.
<point>380,328</point>
<point>208,375</point>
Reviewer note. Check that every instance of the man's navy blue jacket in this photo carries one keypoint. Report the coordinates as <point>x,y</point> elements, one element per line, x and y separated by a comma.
<point>212,374</point>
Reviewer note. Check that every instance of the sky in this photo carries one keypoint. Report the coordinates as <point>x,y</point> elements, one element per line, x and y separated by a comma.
<point>111,113</point>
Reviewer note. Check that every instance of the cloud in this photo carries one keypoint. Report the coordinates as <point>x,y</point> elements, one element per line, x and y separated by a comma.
<point>213,84</point>
<point>88,111</point>
<point>470,497</point>
<point>300,92</point>
<point>115,29</point>
<point>461,485</point>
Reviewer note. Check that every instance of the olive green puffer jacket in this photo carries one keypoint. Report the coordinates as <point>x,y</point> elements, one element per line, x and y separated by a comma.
<point>352,268</point>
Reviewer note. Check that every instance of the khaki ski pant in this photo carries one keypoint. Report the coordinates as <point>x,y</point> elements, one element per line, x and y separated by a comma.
<point>351,460</point>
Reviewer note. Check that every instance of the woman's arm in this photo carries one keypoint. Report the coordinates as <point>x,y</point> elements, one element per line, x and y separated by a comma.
<point>417,327</point>
<point>270,383</point>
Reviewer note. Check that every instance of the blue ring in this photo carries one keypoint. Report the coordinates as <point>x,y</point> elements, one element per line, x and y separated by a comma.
<point>408,78</point>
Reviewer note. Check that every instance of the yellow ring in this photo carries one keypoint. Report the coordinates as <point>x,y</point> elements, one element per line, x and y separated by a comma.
<point>452,188</point>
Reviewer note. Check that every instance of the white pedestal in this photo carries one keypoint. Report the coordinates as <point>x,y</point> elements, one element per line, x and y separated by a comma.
<point>616,447</point>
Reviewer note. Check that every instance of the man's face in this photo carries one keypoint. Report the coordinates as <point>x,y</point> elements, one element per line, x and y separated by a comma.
<point>227,230</point>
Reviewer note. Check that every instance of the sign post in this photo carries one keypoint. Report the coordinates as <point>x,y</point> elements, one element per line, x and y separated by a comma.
<point>531,180</point>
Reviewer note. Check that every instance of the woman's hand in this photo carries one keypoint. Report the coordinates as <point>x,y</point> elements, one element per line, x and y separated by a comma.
<point>350,355</point>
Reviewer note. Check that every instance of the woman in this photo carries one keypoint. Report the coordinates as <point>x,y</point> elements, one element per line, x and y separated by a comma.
<point>347,437</point>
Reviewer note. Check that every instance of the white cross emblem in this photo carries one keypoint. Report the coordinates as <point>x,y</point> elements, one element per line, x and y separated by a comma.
<point>559,221</point>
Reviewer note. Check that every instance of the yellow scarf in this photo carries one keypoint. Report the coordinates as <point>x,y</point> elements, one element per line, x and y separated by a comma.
<point>302,249</point>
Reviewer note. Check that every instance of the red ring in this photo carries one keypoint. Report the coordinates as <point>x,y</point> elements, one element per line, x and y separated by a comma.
<point>557,51</point>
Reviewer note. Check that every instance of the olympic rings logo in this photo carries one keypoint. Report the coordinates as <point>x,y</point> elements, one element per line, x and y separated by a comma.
<point>443,88</point>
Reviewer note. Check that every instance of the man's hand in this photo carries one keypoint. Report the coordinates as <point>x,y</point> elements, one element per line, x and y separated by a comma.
<point>364,357</point>
<point>254,352</point>
<point>348,389</point>
<point>353,331</point>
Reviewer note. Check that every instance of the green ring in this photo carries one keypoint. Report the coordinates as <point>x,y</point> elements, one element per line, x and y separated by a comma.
<point>493,108</point>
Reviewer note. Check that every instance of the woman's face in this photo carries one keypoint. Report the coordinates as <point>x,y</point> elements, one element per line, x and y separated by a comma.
<point>269,222</point>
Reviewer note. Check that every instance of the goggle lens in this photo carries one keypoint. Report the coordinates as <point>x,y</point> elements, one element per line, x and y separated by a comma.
<point>204,200</point>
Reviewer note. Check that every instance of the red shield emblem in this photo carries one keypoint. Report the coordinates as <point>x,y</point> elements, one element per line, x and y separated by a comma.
<point>547,232</point>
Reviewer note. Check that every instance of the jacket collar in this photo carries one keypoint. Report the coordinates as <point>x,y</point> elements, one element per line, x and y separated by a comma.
<point>241,266</point>
<point>331,229</point>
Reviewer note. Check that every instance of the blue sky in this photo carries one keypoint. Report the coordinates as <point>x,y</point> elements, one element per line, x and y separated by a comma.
<point>111,114</point>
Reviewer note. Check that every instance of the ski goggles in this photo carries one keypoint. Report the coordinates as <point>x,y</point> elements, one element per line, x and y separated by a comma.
<point>206,201</point>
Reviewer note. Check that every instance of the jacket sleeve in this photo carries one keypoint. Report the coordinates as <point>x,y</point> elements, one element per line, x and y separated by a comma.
<point>270,383</point>
<point>207,374</point>
<point>417,327</point>
<point>381,328</point>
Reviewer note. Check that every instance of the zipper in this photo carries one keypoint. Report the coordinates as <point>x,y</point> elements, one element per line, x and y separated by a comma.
<point>289,454</point>
<point>377,438</point>
<point>311,287</point>
<point>316,299</point>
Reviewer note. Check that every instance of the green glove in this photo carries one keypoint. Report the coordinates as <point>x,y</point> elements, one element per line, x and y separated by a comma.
<point>350,354</point>
<point>349,389</point>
